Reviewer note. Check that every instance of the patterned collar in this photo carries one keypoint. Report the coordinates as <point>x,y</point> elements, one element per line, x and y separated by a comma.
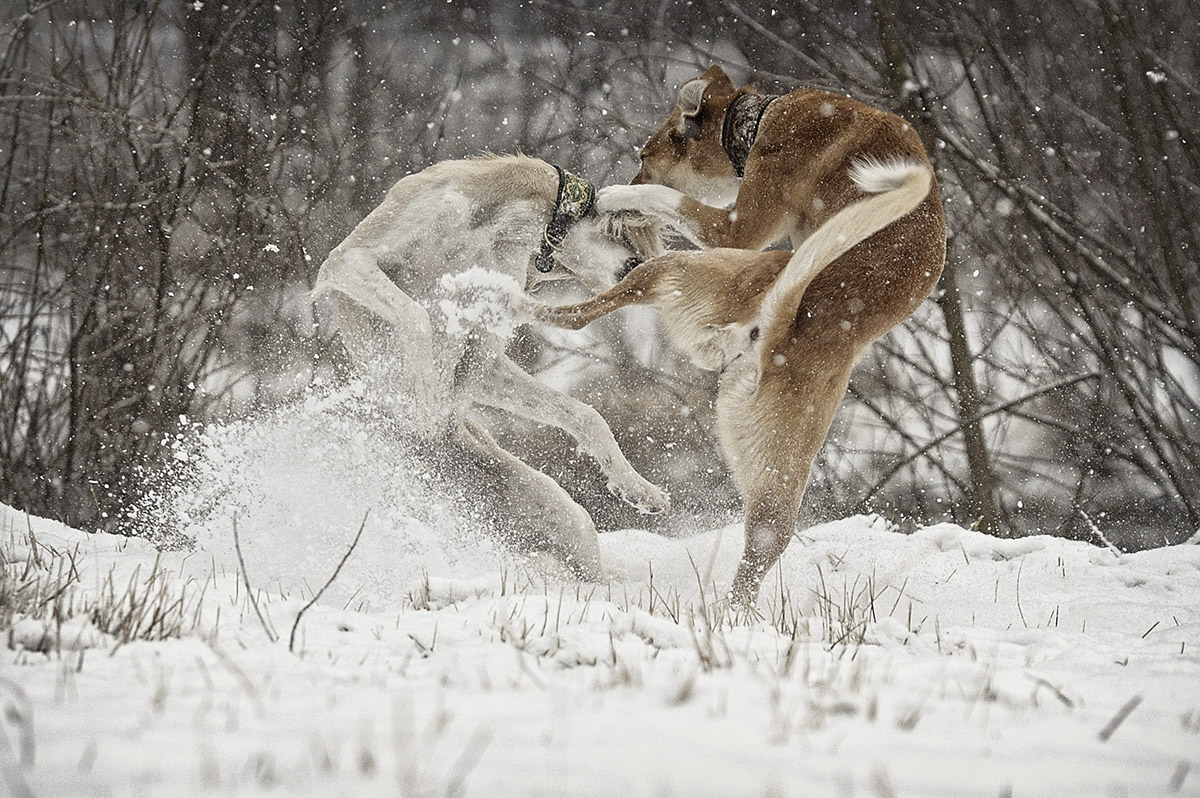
<point>741,127</point>
<point>576,198</point>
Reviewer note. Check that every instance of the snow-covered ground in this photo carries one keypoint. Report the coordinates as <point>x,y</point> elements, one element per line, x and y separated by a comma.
<point>941,663</point>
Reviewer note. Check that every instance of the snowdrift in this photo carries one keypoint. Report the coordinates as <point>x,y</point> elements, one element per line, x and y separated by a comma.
<point>942,662</point>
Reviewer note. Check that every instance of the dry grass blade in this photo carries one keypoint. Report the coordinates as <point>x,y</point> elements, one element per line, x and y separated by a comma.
<point>845,620</point>
<point>324,587</point>
<point>237,545</point>
<point>46,593</point>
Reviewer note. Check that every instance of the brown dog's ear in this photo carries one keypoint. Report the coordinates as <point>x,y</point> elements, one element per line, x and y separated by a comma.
<point>691,97</point>
<point>713,82</point>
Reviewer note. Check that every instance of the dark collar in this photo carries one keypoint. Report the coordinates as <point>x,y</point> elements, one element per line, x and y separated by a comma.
<point>741,127</point>
<point>576,198</point>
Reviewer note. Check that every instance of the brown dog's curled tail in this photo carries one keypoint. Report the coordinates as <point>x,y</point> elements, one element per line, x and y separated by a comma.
<point>896,187</point>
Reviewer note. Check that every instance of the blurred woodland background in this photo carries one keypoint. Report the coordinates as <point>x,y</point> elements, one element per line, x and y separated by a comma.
<point>172,173</point>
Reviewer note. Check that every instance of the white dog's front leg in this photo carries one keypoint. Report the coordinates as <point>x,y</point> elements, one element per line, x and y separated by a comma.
<point>354,274</point>
<point>648,198</point>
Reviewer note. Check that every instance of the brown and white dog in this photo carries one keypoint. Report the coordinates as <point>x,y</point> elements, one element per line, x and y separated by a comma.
<point>413,281</point>
<point>851,188</point>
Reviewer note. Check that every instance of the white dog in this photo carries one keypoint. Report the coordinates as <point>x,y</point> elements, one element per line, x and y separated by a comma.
<point>417,282</point>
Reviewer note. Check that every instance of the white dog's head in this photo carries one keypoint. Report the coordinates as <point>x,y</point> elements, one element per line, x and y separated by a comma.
<point>600,249</point>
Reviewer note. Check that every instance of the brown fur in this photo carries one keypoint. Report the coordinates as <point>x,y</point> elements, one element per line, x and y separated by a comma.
<point>785,361</point>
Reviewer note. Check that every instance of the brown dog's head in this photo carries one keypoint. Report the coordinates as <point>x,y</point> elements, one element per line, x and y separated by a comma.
<point>686,153</point>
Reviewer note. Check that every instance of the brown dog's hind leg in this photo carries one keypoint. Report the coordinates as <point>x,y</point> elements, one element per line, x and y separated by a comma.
<point>771,431</point>
<point>770,522</point>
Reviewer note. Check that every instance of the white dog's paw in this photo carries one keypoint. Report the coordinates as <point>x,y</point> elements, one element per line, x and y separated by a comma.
<point>654,200</point>
<point>641,495</point>
<point>614,199</point>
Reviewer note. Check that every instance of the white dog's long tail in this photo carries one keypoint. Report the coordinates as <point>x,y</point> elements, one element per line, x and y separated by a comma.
<point>898,186</point>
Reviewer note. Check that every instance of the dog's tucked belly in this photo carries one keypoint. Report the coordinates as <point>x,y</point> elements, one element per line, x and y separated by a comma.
<point>444,228</point>
<point>438,234</point>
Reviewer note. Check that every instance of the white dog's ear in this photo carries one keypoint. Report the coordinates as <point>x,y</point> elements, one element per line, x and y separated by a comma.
<point>691,98</point>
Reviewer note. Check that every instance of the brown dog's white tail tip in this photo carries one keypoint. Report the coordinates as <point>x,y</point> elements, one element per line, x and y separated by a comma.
<point>875,176</point>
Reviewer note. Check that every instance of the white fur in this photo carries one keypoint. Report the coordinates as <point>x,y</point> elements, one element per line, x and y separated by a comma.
<point>875,176</point>
<point>649,198</point>
<point>414,264</point>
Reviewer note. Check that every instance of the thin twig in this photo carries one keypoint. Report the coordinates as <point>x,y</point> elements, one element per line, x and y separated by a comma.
<point>1021,612</point>
<point>974,419</point>
<point>336,571</point>
<point>249,590</point>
